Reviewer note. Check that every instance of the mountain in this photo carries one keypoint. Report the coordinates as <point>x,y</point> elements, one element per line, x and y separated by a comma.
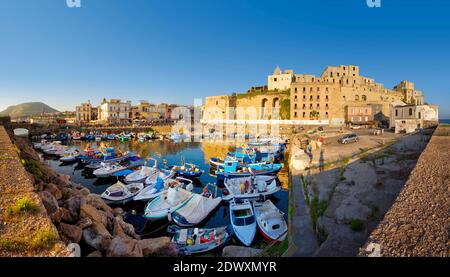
<point>27,109</point>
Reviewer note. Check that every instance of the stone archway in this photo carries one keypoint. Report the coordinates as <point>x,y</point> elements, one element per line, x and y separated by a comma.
<point>264,107</point>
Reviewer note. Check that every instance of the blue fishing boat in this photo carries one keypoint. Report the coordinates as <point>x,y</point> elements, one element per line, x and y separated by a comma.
<point>187,170</point>
<point>232,169</point>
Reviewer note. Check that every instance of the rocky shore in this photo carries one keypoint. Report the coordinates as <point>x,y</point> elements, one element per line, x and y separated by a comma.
<point>82,218</point>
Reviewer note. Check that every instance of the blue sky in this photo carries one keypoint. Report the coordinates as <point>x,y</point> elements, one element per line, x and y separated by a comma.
<point>173,51</point>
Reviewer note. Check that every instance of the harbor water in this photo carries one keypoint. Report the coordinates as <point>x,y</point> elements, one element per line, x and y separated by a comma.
<point>197,153</point>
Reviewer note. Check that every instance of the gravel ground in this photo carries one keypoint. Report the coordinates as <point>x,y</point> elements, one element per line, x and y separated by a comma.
<point>418,222</point>
<point>15,182</point>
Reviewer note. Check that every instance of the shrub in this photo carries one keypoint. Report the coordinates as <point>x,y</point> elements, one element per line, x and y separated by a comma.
<point>24,204</point>
<point>356,224</point>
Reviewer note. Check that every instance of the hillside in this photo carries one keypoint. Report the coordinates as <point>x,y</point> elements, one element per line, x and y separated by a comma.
<point>27,109</point>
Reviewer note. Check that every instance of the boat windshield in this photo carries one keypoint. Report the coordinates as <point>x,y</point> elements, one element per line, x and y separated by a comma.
<point>242,221</point>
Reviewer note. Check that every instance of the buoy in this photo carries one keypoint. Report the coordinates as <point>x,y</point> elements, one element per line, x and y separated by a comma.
<point>133,212</point>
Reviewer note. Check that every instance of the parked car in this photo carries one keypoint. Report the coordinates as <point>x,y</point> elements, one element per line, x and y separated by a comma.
<point>348,138</point>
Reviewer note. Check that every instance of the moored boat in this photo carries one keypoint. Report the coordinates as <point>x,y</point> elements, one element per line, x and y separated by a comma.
<point>196,240</point>
<point>168,202</point>
<point>120,193</point>
<point>243,221</point>
<point>252,187</point>
<point>196,210</point>
<point>270,220</point>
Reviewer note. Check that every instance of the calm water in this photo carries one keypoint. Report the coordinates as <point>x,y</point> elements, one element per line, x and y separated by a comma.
<point>198,153</point>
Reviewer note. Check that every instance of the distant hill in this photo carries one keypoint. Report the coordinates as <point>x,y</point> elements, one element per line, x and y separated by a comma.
<point>27,109</point>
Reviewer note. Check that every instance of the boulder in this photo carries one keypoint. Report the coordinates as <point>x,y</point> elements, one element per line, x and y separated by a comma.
<point>49,201</point>
<point>73,204</point>
<point>240,251</point>
<point>97,236</point>
<point>161,246</point>
<point>67,216</point>
<point>54,190</point>
<point>118,212</point>
<point>122,246</point>
<point>71,232</point>
<point>92,213</point>
<point>120,227</point>
<point>96,201</point>
<point>95,254</point>
<point>56,216</point>
<point>84,223</point>
<point>85,191</point>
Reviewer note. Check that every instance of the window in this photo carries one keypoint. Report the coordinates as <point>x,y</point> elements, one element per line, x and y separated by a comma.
<point>410,111</point>
<point>396,112</point>
<point>326,97</point>
<point>364,98</point>
<point>310,106</point>
<point>304,97</point>
<point>217,103</point>
<point>304,114</point>
<point>360,111</point>
<point>318,88</point>
<point>326,89</point>
<point>311,98</point>
<point>420,115</point>
<point>351,118</point>
<point>326,106</point>
<point>295,114</point>
<point>295,106</point>
<point>326,115</point>
<point>304,106</point>
<point>274,79</point>
<point>366,118</point>
<point>304,89</point>
<point>318,106</point>
<point>356,97</point>
<point>295,98</point>
<point>318,97</point>
<point>295,89</point>
<point>360,118</point>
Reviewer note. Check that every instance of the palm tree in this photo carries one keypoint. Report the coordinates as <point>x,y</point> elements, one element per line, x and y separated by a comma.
<point>314,115</point>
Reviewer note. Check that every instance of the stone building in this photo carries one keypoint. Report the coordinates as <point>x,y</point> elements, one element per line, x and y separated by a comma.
<point>85,112</point>
<point>279,80</point>
<point>114,110</point>
<point>410,95</point>
<point>359,115</point>
<point>326,97</point>
<point>408,118</point>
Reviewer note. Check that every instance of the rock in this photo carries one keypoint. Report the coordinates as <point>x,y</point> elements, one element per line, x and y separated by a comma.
<point>96,201</point>
<point>85,191</point>
<point>84,223</point>
<point>97,236</point>
<point>240,251</point>
<point>71,232</point>
<point>121,227</point>
<point>54,190</point>
<point>49,201</point>
<point>95,254</point>
<point>124,247</point>
<point>161,246</point>
<point>67,216</point>
<point>95,215</point>
<point>56,216</point>
<point>73,204</point>
<point>118,212</point>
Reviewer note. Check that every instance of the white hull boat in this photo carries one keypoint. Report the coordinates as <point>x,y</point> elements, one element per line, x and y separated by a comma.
<point>196,210</point>
<point>166,203</point>
<point>139,176</point>
<point>252,187</point>
<point>270,220</point>
<point>195,240</point>
<point>160,184</point>
<point>243,221</point>
<point>108,169</point>
<point>120,193</point>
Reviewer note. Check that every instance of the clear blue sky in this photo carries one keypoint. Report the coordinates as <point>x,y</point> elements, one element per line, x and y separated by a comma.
<point>173,51</point>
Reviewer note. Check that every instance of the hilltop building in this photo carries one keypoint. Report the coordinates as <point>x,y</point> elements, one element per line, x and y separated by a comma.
<point>408,118</point>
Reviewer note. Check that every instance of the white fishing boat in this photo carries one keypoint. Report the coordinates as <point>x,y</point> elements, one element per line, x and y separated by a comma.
<point>163,174</point>
<point>160,184</point>
<point>139,176</point>
<point>196,240</point>
<point>243,221</point>
<point>70,156</point>
<point>196,210</point>
<point>270,220</point>
<point>107,169</point>
<point>120,193</point>
<point>166,203</point>
<point>252,187</point>
<point>21,132</point>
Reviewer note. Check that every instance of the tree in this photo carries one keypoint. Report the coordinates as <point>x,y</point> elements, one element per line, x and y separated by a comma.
<point>314,115</point>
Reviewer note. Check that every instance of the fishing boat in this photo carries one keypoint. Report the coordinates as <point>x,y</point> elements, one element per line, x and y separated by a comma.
<point>232,169</point>
<point>162,183</point>
<point>21,132</point>
<point>111,137</point>
<point>117,169</point>
<point>70,157</point>
<point>196,210</point>
<point>76,136</point>
<point>270,220</point>
<point>252,187</point>
<point>196,240</point>
<point>139,176</point>
<point>166,203</point>
<point>187,170</point>
<point>243,221</point>
<point>120,193</point>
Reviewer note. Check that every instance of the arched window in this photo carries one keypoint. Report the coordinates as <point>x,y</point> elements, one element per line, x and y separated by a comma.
<point>357,97</point>
<point>364,98</point>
